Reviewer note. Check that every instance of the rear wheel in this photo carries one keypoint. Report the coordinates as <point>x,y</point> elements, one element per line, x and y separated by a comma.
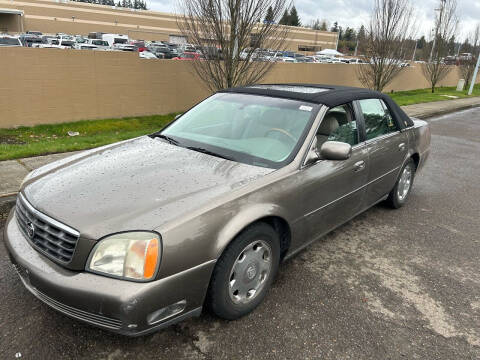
<point>399,194</point>
<point>244,272</point>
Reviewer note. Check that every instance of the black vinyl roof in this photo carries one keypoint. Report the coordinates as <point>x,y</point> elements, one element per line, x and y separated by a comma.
<point>329,95</point>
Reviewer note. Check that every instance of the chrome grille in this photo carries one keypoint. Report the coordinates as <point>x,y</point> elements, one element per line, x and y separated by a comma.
<point>47,235</point>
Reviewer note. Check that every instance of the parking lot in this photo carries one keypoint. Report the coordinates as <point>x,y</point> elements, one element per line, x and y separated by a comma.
<point>401,284</point>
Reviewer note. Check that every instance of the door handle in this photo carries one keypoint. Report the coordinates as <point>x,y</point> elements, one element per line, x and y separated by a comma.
<point>359,165</point>
<point>401,147</point>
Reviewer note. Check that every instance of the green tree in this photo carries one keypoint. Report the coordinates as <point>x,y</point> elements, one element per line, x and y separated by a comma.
<point>269,17</point>
<point>451,45</point>
<point>294,19</point>
<point>421,42</point>
<point>349,34</point>
<point>334,27</point>
<point>285,19</point>
<point>324,26</point>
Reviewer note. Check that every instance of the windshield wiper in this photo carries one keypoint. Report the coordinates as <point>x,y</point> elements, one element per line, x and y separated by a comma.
<point>166,137</point>
<point>208,152</point>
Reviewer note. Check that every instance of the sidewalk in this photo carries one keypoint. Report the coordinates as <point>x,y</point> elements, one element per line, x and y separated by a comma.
<point>12,172</point>
<point>435,108</point>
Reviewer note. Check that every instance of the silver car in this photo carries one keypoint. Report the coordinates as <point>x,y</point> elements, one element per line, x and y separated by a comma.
<point>137,235</point>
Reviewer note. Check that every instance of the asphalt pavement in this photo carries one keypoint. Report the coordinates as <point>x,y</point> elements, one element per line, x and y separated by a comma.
<point>390,284</point>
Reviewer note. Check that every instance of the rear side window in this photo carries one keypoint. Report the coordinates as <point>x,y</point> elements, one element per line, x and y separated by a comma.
<point>378,120</point>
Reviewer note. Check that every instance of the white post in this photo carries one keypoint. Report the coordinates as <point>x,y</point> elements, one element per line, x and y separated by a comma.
<point>474,77</point>
<point>356,47</point>
<point>414,51</point>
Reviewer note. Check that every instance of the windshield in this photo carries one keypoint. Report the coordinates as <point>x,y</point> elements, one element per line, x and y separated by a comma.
<point>252,129</point>
<point>119,41</point>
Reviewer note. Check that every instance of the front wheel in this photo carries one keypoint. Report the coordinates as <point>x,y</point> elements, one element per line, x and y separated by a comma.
<point>244,272</point>
<point>399,194</point>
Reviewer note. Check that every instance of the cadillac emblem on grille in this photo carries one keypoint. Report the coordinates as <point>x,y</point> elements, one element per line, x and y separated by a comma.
<point>30,230</point>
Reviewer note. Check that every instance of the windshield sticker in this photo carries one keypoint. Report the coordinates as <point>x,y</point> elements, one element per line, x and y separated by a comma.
<point>305,108</point>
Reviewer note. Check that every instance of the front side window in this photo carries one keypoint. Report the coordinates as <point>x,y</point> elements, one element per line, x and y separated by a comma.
<point>378,120</point>
<point>258,130</point>
<point>339,124</point>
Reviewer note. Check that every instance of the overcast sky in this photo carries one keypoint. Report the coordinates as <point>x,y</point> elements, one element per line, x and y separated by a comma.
<point>354,13</point>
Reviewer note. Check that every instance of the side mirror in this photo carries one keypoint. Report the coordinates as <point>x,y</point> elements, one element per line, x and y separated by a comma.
<point>335,150</point>
<point>177,116</point>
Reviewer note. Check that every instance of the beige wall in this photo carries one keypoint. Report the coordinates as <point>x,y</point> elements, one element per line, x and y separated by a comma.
<point>39,86</point>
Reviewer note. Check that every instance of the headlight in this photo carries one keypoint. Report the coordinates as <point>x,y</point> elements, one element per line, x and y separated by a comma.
<point>130,255</point>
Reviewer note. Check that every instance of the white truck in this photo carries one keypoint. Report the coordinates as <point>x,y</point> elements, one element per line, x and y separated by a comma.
<point>118,42</point>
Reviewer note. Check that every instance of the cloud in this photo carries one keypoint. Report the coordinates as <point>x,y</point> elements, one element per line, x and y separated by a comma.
<point>354,13</point>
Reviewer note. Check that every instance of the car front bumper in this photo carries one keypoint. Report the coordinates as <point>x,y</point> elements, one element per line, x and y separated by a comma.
<point>115,305</point>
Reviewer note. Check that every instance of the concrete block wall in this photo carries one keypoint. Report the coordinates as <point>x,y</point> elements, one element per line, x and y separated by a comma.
<point>41,86</point>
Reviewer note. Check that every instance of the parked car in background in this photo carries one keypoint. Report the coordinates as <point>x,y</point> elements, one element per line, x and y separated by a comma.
<point>189,56</point>
<point>465,57</point>
<point>38,33</point>
<point>222,196</point>
<point>211,52</point>
<point>85,47</point>
<point>173,49</point>
<point>286,59</point>
<point>114,39</point>
<point>139,45</point>
<point>146,55</point>
<point>66,41</point>
<point>158,48</point>
<point>187,48</point>
<point>80,39</point>
<point>55,43</point>
<point>28,40</point>
<point>9,41</point>
<point>357,61</point>
<point>123,47</point>
<point>99,44</point>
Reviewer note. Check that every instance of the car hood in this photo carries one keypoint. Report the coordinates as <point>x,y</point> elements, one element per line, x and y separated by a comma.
<point>137,184</point>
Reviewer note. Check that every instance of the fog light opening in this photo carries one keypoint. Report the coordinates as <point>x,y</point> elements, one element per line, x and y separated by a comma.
<point>166,312</point>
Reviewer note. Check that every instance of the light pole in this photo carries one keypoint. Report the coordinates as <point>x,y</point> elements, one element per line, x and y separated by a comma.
<point>437,25</point>
<point>414,51</point>
<point>474,77</point>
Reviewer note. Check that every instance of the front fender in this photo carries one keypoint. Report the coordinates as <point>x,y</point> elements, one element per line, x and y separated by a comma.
<point>245,217</point>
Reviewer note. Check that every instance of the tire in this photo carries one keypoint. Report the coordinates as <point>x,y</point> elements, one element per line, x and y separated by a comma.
<point>250,260</point>
<point>399,194</point>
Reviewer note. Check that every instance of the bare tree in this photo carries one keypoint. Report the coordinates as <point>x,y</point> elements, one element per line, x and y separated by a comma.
<point>230,34</point>
<point>390,26</point>
<point>468,66</point>
<point>435,70</point>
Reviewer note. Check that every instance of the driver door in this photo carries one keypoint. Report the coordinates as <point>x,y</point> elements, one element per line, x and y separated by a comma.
<point>334,190</point>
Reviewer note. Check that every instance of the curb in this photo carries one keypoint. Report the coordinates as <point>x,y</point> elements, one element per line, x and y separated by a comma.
<point>446,111</point>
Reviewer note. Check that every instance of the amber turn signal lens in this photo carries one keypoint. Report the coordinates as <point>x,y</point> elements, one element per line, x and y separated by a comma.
<point>151,258</point>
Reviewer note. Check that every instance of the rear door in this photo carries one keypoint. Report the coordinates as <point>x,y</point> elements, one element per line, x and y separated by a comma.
<point>387,148</point>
